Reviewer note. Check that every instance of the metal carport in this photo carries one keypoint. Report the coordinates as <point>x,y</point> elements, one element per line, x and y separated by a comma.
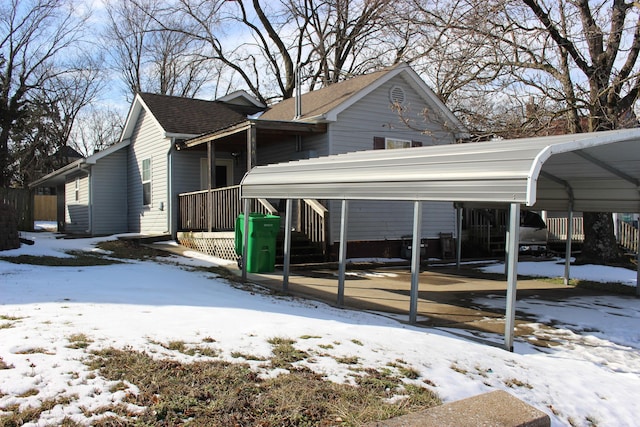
<point>589,172</point>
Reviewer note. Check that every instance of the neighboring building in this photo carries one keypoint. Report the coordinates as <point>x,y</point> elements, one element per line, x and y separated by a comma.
<point>171,146</point>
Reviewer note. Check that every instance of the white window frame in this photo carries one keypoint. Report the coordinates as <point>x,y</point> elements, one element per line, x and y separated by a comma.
<point>393,143</point>
<point>77,189</point>
<point>146,181</point>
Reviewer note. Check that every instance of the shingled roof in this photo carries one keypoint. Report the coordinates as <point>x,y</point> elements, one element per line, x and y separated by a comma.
<point>318,102</point>
<point>194,116</point>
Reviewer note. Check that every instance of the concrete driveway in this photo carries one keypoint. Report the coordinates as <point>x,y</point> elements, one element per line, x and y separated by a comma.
<point>445,297</point>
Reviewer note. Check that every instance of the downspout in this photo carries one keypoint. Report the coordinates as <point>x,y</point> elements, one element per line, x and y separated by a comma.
<point>169,202</point>
<point>89,186</point>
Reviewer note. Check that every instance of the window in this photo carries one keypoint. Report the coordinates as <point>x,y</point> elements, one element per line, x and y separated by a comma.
<point>77,189</point>
<point>396,143</point>
<point>146,182</point>
<point>380,143</point>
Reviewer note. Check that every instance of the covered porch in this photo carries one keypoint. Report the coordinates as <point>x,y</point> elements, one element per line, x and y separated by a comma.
<point>206,217</point>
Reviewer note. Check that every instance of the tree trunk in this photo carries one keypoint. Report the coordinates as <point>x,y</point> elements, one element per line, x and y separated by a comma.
<point>600,245</point>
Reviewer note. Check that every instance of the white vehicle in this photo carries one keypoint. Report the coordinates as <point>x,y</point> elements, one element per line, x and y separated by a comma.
<point>533,233</point>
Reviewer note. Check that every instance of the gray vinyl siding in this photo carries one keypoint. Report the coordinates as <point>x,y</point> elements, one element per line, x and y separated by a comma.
<point>355,129</point>
<point>372,116</point>
<point>109,185</point>
<point>148,142</point>
<point>77,211</point>
<point>373,220</point>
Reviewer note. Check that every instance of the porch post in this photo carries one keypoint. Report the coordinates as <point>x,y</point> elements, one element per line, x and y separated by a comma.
<point>287,246</point>
<point>458,235</point>
<point>211,183</point>
<point>245,238</point>
<point>512,275</point>
<point>415,261</point>
<point>638,260</point>
<point>342,256</point>
<point>251,147</point>
<point>567,250</point>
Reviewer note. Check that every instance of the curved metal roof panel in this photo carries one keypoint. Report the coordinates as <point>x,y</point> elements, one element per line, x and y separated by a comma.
<point>593,171</point>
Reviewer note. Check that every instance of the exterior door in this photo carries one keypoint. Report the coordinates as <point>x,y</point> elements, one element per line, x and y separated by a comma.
<point>224,173</point>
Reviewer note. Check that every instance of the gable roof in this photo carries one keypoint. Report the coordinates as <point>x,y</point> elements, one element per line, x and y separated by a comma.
<point>326,103</point>
<point>194,116</point>
<point>186,116</point>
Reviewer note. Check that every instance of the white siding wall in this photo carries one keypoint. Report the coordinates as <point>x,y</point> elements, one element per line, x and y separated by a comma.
<point>76,216</point>
<point>148,142</point>
<point>109,184</point>
<point>355,129</point>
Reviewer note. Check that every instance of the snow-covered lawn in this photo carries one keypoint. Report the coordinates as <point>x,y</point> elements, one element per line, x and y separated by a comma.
<point>591,376</point>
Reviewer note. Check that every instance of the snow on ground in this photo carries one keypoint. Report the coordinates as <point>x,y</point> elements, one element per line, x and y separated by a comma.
<point>592,375</point>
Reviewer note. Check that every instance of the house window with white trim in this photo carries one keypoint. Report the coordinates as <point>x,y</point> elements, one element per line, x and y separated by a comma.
<point>77,189</point>
<point>146,182</point>
<point>382,143</point>
<point>390,143</point>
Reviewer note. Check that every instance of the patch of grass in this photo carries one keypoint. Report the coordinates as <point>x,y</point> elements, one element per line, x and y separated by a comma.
<point>246,356</point>
<point>79,341</point>
<point>5,365</point>
<point>357,342</point>
<point>30,392</point>
<point>124,249</point>
<point>183,348</point>
<point>325,346</point>
<point>454,366</point>
<point>34,350</point>
<point>409,372</point>
<point>31,414</point>
<point>222,393</point>
<point>348,360</point>
<point>6,325</point>
<point>284,353</point>
<point>514,382</point>
<point>308,337</point>
<point>79,259</point>
<point>11,318</point>
<point>381,381</point>
<point>208,340</point>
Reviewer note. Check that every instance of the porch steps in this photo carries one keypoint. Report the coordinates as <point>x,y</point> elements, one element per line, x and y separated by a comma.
<point>303,250</point>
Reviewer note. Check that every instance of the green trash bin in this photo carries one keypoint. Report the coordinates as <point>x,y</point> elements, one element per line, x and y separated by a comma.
<point>260,256</point>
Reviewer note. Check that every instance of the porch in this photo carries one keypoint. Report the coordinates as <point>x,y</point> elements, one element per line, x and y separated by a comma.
<point>206,223</point>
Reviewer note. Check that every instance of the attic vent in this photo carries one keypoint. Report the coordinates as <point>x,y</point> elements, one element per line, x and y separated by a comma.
<point>396,95</point>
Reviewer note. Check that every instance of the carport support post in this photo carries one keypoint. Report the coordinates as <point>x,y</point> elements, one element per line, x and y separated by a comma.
<point>638,261</point>
<point>458,235</point>
<point>287,246</point>
<point>567,250</point>
<point>415,261</point>
<point>512,275</point>
<point>342,256</point>
<point>245,238</point>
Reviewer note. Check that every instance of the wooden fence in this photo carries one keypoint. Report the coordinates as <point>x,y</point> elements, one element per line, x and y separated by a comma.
<point>22,201</point>
<point>45,207</point>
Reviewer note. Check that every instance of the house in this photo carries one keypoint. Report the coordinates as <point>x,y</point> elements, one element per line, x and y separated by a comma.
<point>178,164</point>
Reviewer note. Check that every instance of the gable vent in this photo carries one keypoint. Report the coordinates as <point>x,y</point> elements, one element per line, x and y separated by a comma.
<point>396,95</point>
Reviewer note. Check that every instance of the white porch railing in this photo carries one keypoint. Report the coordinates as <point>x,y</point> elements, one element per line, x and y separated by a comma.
<point>558,229</point>
<point>627,234</point>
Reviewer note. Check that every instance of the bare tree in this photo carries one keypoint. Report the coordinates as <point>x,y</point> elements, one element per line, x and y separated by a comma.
<point>35,38</point>
<point>95,130</point>
<point>150,58</point>
<point>579,56</point>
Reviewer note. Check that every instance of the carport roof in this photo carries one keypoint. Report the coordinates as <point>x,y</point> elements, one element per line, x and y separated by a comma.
<point>596,171</point>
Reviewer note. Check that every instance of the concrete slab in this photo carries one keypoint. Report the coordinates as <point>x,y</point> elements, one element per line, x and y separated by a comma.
<point>494,409</point>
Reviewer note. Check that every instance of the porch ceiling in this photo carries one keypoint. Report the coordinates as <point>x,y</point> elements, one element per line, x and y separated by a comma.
<point>594,171</point>
<point>266,131</point>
